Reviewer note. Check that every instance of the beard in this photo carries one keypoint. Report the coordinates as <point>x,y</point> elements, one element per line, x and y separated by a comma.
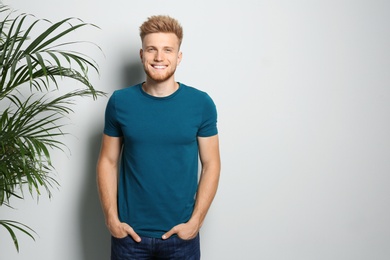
<point>157,77</point>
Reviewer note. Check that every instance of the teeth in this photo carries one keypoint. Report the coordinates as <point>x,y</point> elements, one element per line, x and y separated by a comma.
<point>159,67</point>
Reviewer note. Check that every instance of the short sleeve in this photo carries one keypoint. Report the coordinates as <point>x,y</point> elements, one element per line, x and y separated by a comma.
<point>111,124</point>
<point>208,126</point>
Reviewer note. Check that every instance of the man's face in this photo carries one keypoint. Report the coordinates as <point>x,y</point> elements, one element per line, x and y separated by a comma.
<point>160,55</point>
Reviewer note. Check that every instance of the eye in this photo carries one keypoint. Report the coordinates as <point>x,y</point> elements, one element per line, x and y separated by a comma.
<point>150,49</point>
<point>168,50</point>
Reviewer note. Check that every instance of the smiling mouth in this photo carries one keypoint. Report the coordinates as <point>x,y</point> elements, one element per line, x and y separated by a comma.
<point>159,67</point>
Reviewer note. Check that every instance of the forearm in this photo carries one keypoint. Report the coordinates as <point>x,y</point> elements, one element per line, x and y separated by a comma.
<point>208,185</point>
<point>107,187</point>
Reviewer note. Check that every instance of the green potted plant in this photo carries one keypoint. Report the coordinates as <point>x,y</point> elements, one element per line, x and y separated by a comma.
<point>32,62</point>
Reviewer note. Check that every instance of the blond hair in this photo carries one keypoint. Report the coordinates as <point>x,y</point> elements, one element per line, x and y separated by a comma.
<point>161,23</point>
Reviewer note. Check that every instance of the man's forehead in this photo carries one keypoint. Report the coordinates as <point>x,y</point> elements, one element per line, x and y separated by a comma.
<point>160,39</point>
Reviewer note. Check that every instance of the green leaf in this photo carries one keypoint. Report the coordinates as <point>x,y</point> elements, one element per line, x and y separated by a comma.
<point>10,225</point>
<point>35,58</point>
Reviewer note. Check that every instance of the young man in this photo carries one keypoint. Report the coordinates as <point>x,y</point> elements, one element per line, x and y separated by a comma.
<point>155,133</point>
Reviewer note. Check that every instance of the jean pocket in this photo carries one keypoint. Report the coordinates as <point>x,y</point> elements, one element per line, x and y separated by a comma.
<point>120,240</point>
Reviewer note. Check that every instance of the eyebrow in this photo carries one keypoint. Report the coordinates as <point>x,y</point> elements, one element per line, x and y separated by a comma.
<point>164,47</point>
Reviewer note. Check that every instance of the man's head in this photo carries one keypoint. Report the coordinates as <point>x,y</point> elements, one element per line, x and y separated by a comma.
<point>160,54</point>
<point>161,24</point>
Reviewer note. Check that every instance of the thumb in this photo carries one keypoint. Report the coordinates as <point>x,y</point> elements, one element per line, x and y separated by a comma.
<point>169,233</point>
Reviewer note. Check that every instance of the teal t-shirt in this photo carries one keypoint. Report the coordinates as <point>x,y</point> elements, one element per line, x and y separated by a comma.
<point>158,176</point>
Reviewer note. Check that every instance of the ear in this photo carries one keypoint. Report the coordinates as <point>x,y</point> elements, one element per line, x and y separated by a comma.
<point>141,53</point>
<point>179,57</point>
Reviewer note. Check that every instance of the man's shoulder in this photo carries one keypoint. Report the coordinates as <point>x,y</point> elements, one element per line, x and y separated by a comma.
<point>193,91</point>
<point>126,94</point>
<point>128,90</point>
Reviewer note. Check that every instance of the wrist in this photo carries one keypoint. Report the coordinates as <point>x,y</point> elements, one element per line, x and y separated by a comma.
<point>195,221</point>
<point>112,221</point>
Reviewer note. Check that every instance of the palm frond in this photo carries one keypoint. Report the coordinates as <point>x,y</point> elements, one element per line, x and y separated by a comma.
<point>23,60</point>
<point>10,225</point>
<point>31,127</point>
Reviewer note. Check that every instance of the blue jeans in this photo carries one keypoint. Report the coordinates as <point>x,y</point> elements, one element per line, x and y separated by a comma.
<point>155,248</point>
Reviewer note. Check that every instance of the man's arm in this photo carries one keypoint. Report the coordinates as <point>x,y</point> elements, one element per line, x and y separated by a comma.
<point>208,184</point>
<point>107,181</point>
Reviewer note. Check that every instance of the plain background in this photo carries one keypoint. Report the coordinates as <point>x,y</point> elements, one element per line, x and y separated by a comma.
<point>303,95</point>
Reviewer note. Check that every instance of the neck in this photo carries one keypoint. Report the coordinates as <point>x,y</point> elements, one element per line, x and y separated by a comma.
<point>160,89</point>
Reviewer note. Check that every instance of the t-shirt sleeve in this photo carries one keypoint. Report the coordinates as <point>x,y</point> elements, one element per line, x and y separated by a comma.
<point>208,126</point>
<point>111,124</point>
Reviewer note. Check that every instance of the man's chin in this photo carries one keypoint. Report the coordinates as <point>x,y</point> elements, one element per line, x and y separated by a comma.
<point>159,78</point>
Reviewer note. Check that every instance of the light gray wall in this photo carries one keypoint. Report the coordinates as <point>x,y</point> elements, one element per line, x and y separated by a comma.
<point>303,94</point>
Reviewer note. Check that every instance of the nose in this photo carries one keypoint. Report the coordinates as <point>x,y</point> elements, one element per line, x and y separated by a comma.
<point>159,56</point>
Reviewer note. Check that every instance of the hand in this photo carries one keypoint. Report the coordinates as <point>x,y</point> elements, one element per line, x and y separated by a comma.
<point>185,231</point>
<point>121,230</point>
